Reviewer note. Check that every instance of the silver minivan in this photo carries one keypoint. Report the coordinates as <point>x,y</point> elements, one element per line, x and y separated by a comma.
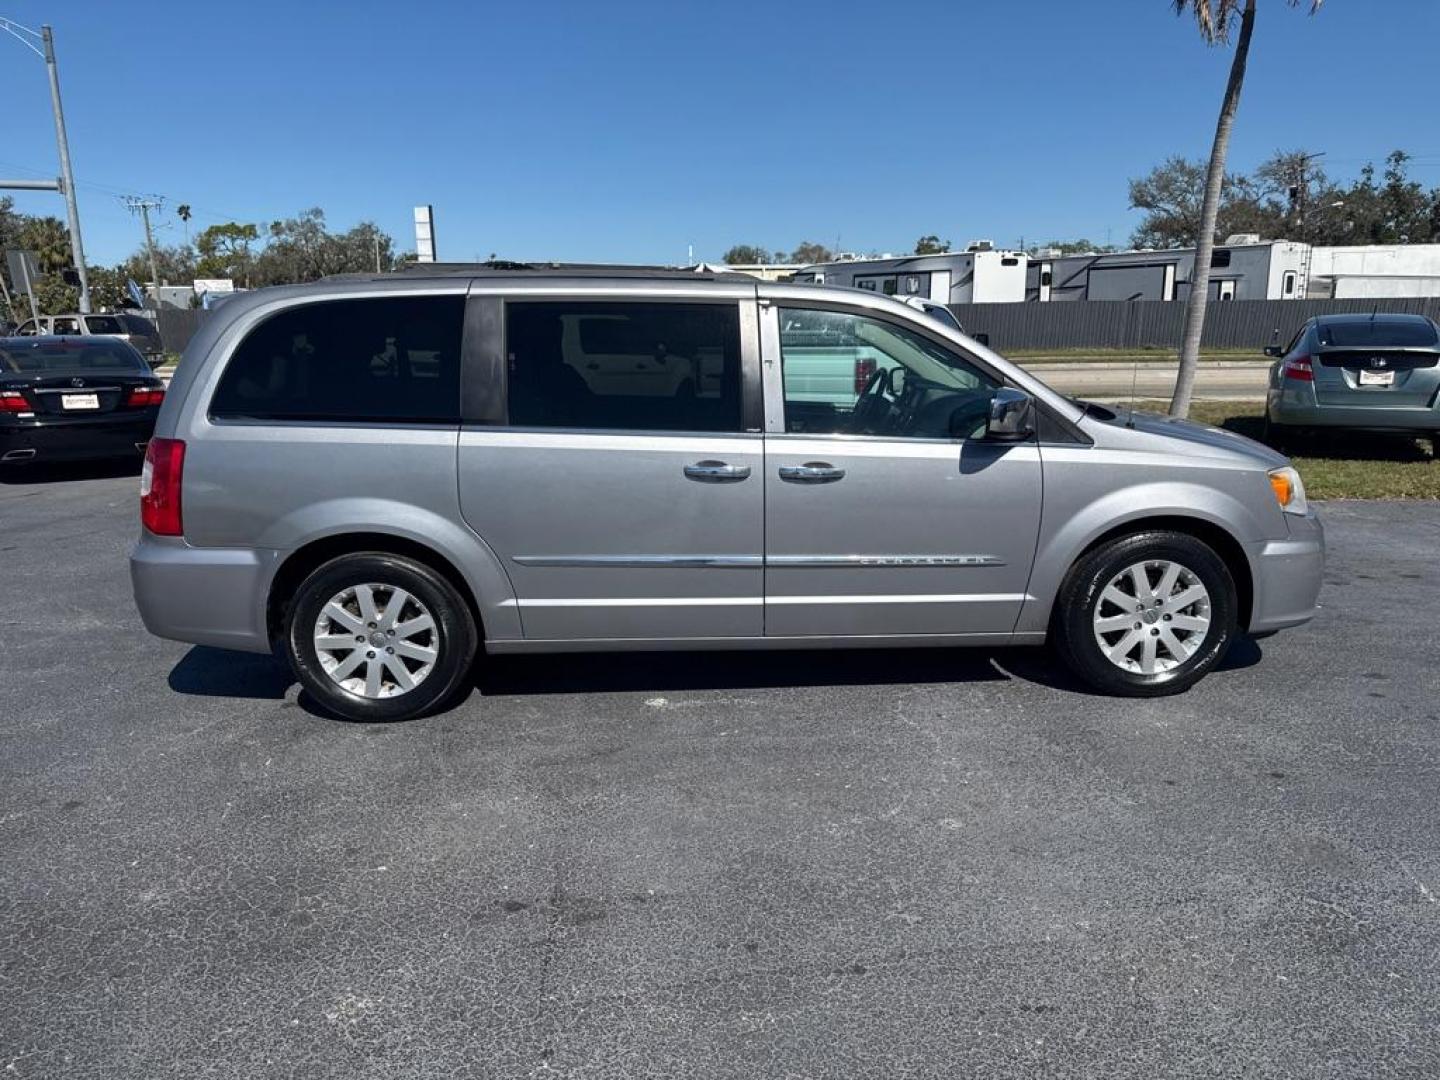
<point>384,477</point>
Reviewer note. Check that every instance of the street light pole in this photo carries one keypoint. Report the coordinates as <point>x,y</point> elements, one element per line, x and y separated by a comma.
<point>72,208</point>
<point>26,37</point>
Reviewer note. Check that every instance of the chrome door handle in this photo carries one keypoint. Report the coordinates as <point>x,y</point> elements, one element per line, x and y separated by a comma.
<point>717,472</point>
<point>812,472</point>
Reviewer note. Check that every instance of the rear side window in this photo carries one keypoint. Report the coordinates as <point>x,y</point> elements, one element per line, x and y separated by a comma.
<point>363,361</point>
<point>1380,333</point>
<point>103,324</point>
<point>624,366</point>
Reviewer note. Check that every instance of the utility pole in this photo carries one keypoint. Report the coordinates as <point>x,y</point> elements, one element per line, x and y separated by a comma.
<point>72,208</point>
<point>143,207</point>
<point>1301,191</point>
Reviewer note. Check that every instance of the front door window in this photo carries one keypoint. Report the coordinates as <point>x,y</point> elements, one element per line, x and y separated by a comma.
<point>851,374</point>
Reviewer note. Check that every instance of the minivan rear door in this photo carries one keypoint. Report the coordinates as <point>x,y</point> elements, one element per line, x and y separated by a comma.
<point>622,508</point>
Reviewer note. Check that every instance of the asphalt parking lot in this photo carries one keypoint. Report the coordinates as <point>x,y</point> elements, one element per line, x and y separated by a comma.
<point>896,864</point>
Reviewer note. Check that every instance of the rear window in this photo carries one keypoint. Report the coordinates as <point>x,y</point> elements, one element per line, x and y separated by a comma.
<point>1378,333</point>
<point>103,324</point>
<point>367,361</point>
<point>45,358</point>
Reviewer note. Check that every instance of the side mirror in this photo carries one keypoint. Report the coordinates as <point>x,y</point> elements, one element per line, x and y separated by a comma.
<point>1272,350</point>
<point>1012,416</point>
<point>983,339</point>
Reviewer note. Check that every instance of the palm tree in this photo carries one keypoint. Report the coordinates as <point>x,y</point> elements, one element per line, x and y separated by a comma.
<point>1213,18</point>
<point>50,240</point>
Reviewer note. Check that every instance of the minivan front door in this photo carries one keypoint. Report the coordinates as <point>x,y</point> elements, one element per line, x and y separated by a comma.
<point>886,511</point>
<point>622,510</point>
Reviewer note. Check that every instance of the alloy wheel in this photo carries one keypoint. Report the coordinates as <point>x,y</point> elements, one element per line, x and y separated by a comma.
<point>376,641</point>
<point>1152,617</point>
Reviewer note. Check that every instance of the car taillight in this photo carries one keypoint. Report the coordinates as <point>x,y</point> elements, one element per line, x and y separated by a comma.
<point>141,397</point>
<point>13,401</point>
<point>160,487</point>
<point>1299,369</point>
<point>864,369</point>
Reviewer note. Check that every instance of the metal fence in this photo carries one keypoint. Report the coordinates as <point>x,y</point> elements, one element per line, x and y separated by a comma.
<point>1138,324</point>
<point>178,326</point>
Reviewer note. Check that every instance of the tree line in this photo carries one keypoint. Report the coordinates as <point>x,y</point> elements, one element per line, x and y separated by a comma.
<point>809,252</point>
<point>1288,197</point>
<point>290,251</point>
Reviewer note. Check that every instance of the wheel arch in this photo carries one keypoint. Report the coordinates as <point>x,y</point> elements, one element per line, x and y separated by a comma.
<point>304,560</point>
<point>1213,535</point>
<point>1205,529</point>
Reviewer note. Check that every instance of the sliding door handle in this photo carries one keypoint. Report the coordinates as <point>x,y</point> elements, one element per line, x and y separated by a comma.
<point>812,472</point>
<point>716,472</point>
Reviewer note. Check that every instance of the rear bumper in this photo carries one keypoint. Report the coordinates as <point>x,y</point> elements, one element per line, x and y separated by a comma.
<point>76,441</point>
<point>1299,409</point>
<point>207,596</point>
<point>1287,576</point>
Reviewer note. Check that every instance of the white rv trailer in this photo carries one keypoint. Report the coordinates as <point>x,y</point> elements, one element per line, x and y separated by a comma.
<point>1370,271</point>
<point>980,275</point>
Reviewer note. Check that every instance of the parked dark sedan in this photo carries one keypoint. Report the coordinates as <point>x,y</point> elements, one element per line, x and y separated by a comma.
<point>1378,372</point>
<point>68,398</point>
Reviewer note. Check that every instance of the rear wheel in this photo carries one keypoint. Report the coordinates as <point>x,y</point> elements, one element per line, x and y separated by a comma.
<point>374,636</point>
<point>1146,615</point>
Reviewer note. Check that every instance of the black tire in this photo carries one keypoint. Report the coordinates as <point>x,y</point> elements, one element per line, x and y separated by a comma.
<point>454,637</point>
<point>1073,626</point>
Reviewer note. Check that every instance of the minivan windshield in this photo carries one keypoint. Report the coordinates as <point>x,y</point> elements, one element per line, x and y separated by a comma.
<point>44,358</point>
<point>1379,333</point>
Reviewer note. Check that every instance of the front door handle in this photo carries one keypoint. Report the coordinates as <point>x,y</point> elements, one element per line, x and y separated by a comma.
<point>812,472</point>
<point>716,472</point>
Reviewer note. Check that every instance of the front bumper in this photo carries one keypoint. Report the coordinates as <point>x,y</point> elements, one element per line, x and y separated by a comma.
<point>207,596</point>
<point>1287,576</point>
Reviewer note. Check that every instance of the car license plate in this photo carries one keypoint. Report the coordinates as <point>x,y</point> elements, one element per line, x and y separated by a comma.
<point>80,401</point>
<point>1377,378</point>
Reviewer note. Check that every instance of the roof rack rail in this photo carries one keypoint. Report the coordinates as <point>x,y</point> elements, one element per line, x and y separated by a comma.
<point>505,268</point>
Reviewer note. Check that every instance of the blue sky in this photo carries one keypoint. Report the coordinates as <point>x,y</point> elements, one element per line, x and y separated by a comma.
<point>626,131</point>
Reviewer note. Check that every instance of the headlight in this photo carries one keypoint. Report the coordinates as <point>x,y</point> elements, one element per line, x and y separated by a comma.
<point>1289,490</point>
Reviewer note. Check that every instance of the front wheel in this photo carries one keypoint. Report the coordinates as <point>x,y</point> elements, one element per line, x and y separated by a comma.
<point>374,636</point>
<point>1146,615</point>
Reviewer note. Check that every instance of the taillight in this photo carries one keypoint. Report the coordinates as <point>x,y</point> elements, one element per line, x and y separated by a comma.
<point>141,397</point>
<point>864,370</point>
<point>13,401</point>
<point>160,487</point>
<point>1299,369</point>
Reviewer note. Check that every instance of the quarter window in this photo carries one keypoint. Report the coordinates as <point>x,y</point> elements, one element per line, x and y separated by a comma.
<point>850,374</point>
<point>624,366</point>
<point>391,360</point>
